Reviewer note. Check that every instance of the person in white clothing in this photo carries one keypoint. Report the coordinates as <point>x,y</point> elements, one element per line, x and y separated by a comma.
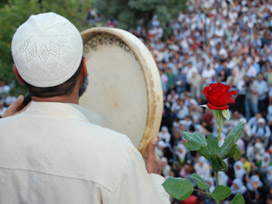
<point>49,151</point>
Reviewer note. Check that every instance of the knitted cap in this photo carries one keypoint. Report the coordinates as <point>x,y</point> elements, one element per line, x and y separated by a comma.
<point>47,50</point>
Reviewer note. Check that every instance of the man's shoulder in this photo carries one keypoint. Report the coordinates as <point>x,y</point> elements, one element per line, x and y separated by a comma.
<point>78,150</point>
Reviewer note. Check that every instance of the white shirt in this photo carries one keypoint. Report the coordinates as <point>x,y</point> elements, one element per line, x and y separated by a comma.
<point>208,73</point>
<point>189,72</point>
<point>262,88</point>
<point>241,88</point>
<point>51,153</point>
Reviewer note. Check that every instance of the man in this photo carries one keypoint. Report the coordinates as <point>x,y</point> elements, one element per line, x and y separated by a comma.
<point>189,72</point>
<point>180,81</point>
<point>51,153</point>
<point>262,93</point>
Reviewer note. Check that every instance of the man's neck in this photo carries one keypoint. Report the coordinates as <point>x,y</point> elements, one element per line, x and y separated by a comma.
<point>61,99</point>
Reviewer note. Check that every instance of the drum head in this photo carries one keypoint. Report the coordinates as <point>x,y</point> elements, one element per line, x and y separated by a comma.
<point>124,84</point>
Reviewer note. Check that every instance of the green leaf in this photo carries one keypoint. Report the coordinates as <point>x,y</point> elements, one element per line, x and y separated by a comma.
<point>236,132</point>
<point>230,140</point>
<point>224,165</point>
<point>226,114</point>
<point>203,151</point>
<point>179,188</point>
<point>226,147</point>
<point>213,148</point>
<point>192,146</point>
<point>218,164</point>
<point>200,182</point>
<point>221,192</point>
<point>238,199</point>
<point>195,140</point>
<point>233,152</point>
<point>236,154</point>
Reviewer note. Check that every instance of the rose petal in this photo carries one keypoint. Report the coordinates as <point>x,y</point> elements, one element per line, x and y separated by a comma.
<point>206,90</point>
<point>218,96</point>
<point>231,99</point>
<point>217,107</point>
<point>214,99</point>
<point>224,99</point>
<point>222,86</point>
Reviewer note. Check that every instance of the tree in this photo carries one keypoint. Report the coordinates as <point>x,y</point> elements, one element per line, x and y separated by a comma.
<point>130,13</point>
<point>14,12</point>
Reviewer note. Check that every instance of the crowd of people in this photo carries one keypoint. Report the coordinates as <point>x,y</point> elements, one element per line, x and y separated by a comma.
<point>6,98</point>
<point>225,42</point>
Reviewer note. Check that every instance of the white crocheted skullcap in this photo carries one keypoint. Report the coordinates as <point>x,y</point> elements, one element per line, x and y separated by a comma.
<point>47,50</point>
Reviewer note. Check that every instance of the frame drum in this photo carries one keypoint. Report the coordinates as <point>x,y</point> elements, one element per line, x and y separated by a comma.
<point>124,84</point>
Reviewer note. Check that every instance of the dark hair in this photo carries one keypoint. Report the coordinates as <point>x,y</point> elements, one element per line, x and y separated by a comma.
<point>64,89</point>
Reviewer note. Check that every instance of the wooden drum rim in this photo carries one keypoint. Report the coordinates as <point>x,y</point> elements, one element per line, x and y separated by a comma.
<point>151,78</point>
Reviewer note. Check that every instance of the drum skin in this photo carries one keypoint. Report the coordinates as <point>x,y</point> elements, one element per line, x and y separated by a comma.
<point>124,84</point>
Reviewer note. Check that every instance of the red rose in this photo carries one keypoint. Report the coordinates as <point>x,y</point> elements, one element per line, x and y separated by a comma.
<point>218,96</point>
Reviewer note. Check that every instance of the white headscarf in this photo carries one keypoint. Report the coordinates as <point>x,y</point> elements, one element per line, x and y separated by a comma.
<point>254,179</point>
<point>239,173</point>
<point>204,170</point>
<point>181,155</point>
<point>265,164</point>
<point>164,134</point>
<point>241,188</point>
<point>223,178</point>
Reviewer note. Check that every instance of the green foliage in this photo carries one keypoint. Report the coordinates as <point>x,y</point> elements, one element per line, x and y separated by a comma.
<point>179,188</point>
<point>238,199</point>
<point>130,13</point>
<point>236,132</point>
<point>221,192</point>
<point>14,12</point>
<point>229,148</point>
<point>218,164</point>
<point>195,140</point>
<point>203,185</point>
<point>210,150</point>
<point>226,147</point>
<point>226,114</point>
<point>213,148</point>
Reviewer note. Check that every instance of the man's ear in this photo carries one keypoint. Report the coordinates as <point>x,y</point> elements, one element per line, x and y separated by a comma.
<point>19,78</point>
<point>84,71</point>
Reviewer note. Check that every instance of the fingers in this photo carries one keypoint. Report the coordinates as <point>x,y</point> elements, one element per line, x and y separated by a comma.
<point>151,148</point>
<point>151,161</point>
<point>15,107</point>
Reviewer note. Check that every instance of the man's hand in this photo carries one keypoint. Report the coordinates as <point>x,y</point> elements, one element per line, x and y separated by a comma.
<point>152,163</point>
<point>16,107</point>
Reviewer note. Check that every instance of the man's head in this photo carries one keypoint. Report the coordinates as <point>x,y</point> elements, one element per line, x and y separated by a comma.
<point>260,77</point>
<point>48,54</point>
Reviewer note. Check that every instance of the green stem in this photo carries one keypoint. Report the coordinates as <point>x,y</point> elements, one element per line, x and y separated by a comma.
<point>218,139</point>
<point>220,126</point>
<point>216,177</point>
<point>202,192</point>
